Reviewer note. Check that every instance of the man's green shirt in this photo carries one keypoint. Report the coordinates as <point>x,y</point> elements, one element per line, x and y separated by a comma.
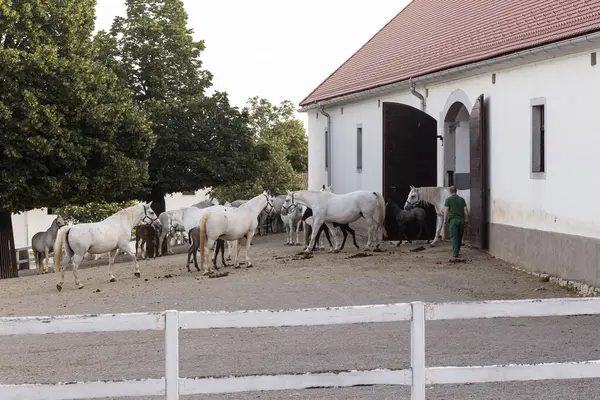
<point>456,207</point>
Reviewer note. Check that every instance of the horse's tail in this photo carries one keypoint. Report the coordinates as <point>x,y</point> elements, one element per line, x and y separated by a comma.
<point>381,222</point>
<point>203,235</point>
<point>58,247</point>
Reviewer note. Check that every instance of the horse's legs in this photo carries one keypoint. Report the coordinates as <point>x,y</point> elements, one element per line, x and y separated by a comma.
<point>76,260</point>
<point>223,254</point>
<point>298,232</point>
<point>111,261</point>
<point>44,261</point>
<point>248,243</point>
<point>426,229</point>
<point>125,247</point>
<point>353,235</point>
<point>66,262</point>
<point>207,267</point>
<point>439,226</point>
<point>236,263</point>
<point>372,227</point>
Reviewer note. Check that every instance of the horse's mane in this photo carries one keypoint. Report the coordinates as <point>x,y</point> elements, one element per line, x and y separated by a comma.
<point>430,194</point>
<point>128,212</point>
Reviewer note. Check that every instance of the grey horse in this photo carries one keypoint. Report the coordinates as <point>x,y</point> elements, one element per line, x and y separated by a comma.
<point>276,221</point>
<point>404,217</point>
<point>42,244</point>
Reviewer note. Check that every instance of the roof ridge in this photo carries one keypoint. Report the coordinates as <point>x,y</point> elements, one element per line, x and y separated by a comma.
<point>433,35</point>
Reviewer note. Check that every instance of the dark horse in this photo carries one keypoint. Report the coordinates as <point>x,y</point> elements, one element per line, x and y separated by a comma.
<point>194,238</point>
<point>344,227</point>
<point>148,234</point>
<point>404,217</point>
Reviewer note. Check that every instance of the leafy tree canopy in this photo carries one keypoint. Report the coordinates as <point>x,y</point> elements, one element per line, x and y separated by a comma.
<point>282,139</point>
<point>69,129</point>
<point>201,140</point>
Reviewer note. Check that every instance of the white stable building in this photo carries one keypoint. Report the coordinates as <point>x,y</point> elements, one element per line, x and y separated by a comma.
<point>497,97</point>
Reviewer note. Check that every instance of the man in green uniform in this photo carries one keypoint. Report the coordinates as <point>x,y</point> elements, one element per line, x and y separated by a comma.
<point>456,212</point>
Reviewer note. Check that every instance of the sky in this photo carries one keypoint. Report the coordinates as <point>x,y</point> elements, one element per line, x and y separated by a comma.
<point>276,49</point>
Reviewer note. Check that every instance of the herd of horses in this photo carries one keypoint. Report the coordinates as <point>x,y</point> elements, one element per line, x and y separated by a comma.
<point>212,225</point>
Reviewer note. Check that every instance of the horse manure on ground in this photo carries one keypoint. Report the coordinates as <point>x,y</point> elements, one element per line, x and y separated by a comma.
<point>360,255</point>
<point>459,260</point>
<point>420,248</point>
<point>218,275</point>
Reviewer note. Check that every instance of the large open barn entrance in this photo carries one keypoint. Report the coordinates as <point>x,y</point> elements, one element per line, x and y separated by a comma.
<point>409,158</point>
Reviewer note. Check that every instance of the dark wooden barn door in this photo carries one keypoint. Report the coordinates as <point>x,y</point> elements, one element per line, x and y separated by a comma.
<point>409,158</point>
<point>479,179</point>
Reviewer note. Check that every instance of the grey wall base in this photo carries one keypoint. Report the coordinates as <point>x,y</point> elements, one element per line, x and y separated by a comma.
<point>569,257</point>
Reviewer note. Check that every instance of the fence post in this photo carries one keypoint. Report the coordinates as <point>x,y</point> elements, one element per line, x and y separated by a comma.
<point>172,355</point>
<point>417,350</point>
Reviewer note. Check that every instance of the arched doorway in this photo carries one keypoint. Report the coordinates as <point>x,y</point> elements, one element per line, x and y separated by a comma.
<point>466,161</point>
<point>457,147</point>
<point>409,158</point>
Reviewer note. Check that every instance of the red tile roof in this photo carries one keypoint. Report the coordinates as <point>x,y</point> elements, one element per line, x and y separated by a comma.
<point>433,35</point>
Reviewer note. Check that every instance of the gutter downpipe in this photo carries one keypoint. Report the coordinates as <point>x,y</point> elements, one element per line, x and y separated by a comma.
<point>478,65</point>
<point>413,90</point>
<point>322,111</point>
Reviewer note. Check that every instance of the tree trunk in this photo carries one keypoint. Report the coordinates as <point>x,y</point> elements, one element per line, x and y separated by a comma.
<point>8,255</point>
<point>157,197</point>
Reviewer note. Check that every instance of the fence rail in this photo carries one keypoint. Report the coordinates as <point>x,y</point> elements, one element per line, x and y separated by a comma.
<point>417,376</point>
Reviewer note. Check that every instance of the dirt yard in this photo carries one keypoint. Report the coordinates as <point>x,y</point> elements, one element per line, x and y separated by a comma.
<point>281,282</point>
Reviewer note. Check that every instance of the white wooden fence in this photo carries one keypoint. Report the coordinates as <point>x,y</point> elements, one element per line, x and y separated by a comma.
<point>417,376</point>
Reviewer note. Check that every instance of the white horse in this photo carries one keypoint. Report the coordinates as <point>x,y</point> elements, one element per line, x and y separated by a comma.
<point>436,196</point>
<point>291,215</point>
<point>230,223</point>
<point>345,208</point>
<point>167,230</point>
<point>110,234</point>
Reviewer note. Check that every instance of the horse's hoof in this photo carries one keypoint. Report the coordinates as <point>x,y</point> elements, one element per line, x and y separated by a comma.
<point>249,266</point>
<point>80,287</point>
<point>137,274</point>
<point>113,279</point>
<point>237,267</point>
<point>336,251</point>
<point>59,287</point>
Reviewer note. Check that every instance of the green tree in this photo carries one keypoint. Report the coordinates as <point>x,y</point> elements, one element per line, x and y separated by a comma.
<point>201,140</point>
<point>283,141</point>
<point>69,130</point>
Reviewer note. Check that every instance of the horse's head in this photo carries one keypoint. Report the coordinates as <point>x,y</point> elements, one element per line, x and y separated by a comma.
<point>149,214</point>
<point>60,222</point>
<point>412,199</point>
<point>288,204</point>
<point>177,223</point>
<point>269,203</point>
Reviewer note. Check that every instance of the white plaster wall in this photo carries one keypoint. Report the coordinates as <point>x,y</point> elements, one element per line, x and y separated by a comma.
<point>317,174</point>
<point>462,137</point>
<point>27,224</point>
<point>557,203</point>
<point>179,200</point>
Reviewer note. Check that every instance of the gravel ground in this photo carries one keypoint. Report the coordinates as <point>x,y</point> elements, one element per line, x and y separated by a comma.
<point>281,282</point>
